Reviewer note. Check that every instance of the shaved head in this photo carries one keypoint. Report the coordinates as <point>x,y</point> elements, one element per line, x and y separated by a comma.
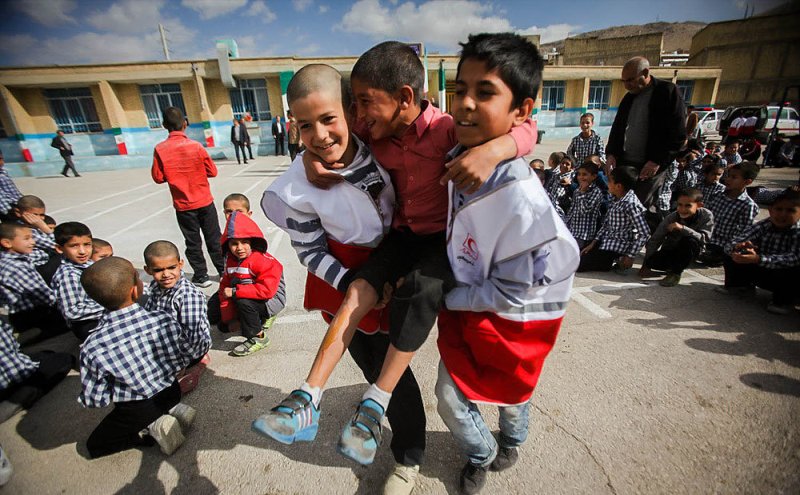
<point>314,78</point>
<point>160,249</point>
<point>109,281</point>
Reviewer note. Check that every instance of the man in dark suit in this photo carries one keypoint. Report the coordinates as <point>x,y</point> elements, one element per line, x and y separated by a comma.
<point>278,133</point>
<point>246,135</point>
<point>238,138</point>
<point>65,149</point>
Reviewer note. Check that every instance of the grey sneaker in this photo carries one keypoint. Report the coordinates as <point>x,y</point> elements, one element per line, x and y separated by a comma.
<point>506,457</point>
<point>473,478</point>
<point>184,414</point>
<point>671,280</point>
<point>166,431</point>
<point>251,346</point>
<point>402,480</point>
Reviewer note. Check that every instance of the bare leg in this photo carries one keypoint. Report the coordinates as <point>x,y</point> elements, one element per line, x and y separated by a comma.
<point>394,366</point>
<point>358,301</point>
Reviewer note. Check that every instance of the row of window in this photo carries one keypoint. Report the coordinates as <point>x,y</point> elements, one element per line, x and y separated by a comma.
<point>74,111</point>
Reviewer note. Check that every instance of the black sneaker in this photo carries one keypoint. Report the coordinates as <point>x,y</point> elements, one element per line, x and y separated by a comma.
<point>201,281</point>
<point>506,457</point>
<point>473,478</point>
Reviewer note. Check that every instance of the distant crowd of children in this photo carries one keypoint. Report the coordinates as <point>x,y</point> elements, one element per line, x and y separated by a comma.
<point>395,216</point>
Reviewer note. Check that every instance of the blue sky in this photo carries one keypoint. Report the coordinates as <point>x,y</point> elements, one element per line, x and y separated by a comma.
<point>44,32</point>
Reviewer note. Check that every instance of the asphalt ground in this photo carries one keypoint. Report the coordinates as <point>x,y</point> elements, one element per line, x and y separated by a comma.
<point>648,389</point>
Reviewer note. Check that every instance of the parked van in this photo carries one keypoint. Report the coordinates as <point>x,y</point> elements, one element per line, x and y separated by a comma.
<point>788,123</point>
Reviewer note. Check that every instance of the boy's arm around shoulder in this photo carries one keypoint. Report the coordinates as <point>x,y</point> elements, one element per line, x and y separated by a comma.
<point>471,169</point>
<point>267,273</point>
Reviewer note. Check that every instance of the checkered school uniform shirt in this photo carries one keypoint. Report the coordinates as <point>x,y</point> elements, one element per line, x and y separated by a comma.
<point>185,303</point>
<point>710,191</point>
<point>663,202</point>
<point>134,354</point>
<point>14,365</point>
<point>580,148</point>
<point>9,194</point>
<point>45,244</point>
<point>624,230</point>
<point>554,187</point>
<point>729,160</point>
<point>731,217</point>
<point>72,301</point>
<point>685,179</point>
<point>697,164</point>
<point>21,286</point>
<point>777,248</point>
<point>584,214</point>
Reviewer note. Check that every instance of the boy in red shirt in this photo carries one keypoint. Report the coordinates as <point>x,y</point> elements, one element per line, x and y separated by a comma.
<point>185,165</point>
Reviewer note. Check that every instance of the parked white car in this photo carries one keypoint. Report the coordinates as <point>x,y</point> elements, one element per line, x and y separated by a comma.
<point>708,120</point>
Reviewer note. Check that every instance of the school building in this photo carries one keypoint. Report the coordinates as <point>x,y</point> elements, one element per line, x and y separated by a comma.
<point>111,113</point>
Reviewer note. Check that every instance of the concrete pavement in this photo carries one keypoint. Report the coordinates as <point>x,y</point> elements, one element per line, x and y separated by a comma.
<point>648,390</point>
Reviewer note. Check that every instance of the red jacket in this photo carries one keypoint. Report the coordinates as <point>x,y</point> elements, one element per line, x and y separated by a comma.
<point>185,165</point>
<point>255,277</point>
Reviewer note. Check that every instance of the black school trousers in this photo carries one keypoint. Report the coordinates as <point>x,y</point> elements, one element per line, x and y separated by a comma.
<point>421,260</point>
<point>53,367</point>
<point>406,413</point>
<point>120,429</point>
<point>782,282</point>
<point>191,223</point>
<point>675,259</point>
<point>251,312</point>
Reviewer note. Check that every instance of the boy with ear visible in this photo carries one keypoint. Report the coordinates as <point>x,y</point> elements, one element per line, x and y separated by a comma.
<point>81,312</point>
<point>29,210</point>
<point>236,202</point>
<point>130,361</point>
<point>101,249</point>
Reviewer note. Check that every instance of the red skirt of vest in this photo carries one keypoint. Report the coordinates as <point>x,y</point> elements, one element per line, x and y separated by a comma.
<point>320,296</point>
<point>492,359</point>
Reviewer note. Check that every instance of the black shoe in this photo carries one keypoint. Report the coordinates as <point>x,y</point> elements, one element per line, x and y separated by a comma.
<point>506,457</point>
<point>473,478</point>
<point>64,174</point>
<point>77,175</point>
<point>201,281</point>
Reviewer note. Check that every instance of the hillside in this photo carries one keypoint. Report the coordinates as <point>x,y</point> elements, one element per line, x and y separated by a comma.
<point>677,35</point>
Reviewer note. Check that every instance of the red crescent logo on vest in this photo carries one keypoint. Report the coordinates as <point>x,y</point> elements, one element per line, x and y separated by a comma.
<point>470,248</point>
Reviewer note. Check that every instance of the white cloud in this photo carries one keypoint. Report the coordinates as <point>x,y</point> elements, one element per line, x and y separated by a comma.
<point>301,5</point>
<point>209,9</point>
<point>431,21</point>
<point>553,32</point>
<point>51,13</point>
<point>260,8</point>
<point>323,9</point>
<point>80,49</point>
<point>128,16</point>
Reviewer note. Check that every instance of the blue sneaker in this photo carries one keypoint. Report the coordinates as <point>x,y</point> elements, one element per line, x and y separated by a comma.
<point>362,435</point>
<point>295,419</point>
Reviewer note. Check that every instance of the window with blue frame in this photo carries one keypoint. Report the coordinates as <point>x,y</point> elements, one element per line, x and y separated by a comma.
<point>158,97</point>
<point>553,95</point>
<point>686,88</point>
<point>73,110</point>
<point>250,96</point>
<point>599,94</point>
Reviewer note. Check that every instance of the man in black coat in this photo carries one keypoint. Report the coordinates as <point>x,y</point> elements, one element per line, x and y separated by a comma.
<point>278,132</point>
<point>239,137</point>
<point>246,135</point>
<point>649,129</point>
<point>65,149</point>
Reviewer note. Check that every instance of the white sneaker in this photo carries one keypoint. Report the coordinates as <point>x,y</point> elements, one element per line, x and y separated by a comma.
<point>5,467</point>
<point>402,480</point>
<point>184,414</point>
<point>166,431</point>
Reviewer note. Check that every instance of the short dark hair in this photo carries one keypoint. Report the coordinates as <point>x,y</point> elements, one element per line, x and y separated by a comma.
<point>313,78</point>
<point>516,59</point>
<point>694,194</point>
<point>567,158</point>
<point>732,141</point>
<point>749,170</point>
<point>587,114</point>
<point>29,201</point>
<point>589,167</point>
<point>626,176</point>
<point>536,160</point>
<point>540,173</point>
<point>389,66</point>
<point>48,220</point>
<point>160,249</point>
<point>8,230</point>
<point>790,195</point>
<point>173,119</point>
<point>67,230</point>
<point>595,159</point>
<point>237,197</point>
<point>109,281</point>
<point>100,243</point>
<point>556,156</point>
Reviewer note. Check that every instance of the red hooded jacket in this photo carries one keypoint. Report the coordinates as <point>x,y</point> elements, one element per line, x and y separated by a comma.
<point>255,277</point>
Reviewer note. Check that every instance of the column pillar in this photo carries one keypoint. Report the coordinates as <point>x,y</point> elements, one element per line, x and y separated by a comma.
<point>117,120</point>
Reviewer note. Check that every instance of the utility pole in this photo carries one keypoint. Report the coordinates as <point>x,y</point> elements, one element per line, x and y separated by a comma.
<point>163,40</point>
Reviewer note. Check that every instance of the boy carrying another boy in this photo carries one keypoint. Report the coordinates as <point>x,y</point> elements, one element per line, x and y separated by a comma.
<point>334,231</point>
<point>514,276</point>
<point>767,255</point>
<point>131,360</point>
<point>172,293</point>
<point>252,291</point>
<point>29,299</point>
<point>185,165</point>
<point>678,239</point>
<point>734,211</point>
<point>81,312</point>
<point>624,231</point>
<point>411,139</point>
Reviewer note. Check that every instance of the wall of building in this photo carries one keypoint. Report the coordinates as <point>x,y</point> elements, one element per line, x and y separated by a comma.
<point>758,56</point>
<point>613,51</point>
